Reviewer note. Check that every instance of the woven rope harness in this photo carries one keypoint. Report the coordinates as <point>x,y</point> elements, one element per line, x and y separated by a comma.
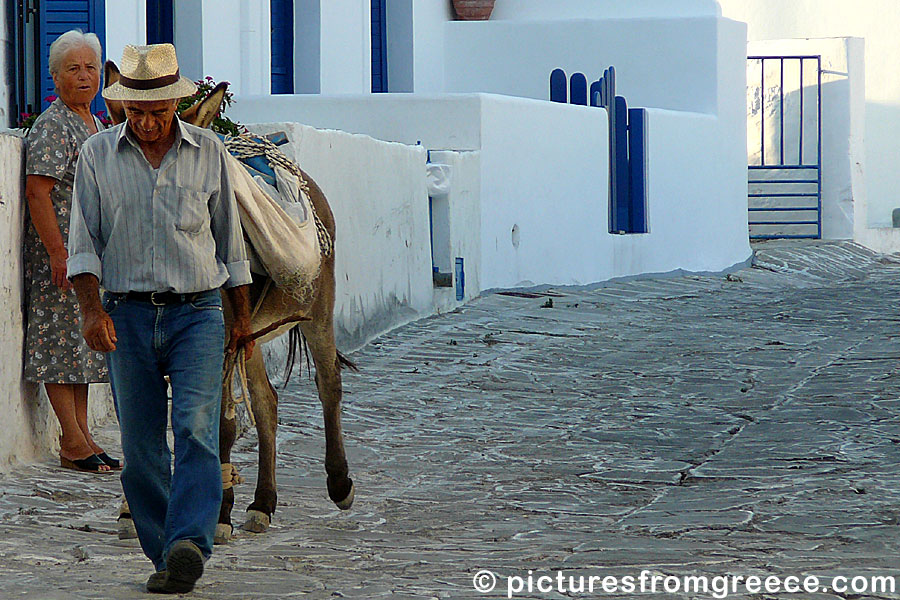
<point>245,146</point>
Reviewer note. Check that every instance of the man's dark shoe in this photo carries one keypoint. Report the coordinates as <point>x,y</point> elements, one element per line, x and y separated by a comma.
<point>184,566</point>
<point>156,583</point>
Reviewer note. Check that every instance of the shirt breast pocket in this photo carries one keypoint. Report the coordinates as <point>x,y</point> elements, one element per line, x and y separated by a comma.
<point>193,210</point>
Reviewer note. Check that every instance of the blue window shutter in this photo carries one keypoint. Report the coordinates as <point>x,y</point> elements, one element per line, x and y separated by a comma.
<point>58,17</point>
<point>282,24</point>
<point>160,22</point>
<point>379,46</point>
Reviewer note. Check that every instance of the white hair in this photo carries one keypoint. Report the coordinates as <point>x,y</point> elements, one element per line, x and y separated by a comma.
<point>71,40</point>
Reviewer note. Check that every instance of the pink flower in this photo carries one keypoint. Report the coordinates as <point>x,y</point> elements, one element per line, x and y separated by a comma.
<point>50,98</point>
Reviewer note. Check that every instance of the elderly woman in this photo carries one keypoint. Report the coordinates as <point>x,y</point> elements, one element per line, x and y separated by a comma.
<point>55,352</point>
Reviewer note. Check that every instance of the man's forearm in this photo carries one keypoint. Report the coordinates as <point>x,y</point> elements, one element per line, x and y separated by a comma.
<point>239,296</point>
<point>87,288</point>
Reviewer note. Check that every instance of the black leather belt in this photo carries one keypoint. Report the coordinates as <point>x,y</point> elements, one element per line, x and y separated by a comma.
<point>161,298</point>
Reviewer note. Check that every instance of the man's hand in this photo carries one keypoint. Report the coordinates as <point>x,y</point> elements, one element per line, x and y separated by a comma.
<point>96,326</point>
<point>240,329</point>
<point>98,331</point>
<point>239,336</point>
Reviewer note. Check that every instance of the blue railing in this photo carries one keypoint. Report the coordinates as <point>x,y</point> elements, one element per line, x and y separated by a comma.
<point>627,145</point>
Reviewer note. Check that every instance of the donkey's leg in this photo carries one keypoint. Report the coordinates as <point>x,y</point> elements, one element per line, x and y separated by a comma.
<point>227,436</point>
<point>319,335</point>
<point>264,401</point>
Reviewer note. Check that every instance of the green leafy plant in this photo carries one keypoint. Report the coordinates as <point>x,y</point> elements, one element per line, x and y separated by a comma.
<point>221,124</point>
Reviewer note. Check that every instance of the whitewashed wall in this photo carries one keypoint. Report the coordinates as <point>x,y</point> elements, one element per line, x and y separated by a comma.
<point>543,167</point>
<point>544,10</point>
<point>536,156</point>
<point>876,21</point>
<point>332,46</point>
<point>677,71</point>
<point>346,47</point>
<point>439,122</point>
<point>225,39</point>
<point>126,23</point>
<point>462,231</point>
<point>377,191</point>
<point>30,430</point>
<point>228,40</point>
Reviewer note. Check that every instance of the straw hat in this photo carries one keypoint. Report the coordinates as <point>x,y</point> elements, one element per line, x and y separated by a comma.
<point>149,73</point>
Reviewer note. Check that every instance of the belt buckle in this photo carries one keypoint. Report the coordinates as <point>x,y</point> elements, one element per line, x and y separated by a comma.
<point>153,299</point>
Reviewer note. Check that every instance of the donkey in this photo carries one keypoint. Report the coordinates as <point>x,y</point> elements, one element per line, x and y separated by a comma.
<point>275,313</point>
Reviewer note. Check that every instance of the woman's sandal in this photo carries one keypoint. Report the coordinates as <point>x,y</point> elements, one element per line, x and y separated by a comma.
<point>91,464</point>
<point>113,463</point>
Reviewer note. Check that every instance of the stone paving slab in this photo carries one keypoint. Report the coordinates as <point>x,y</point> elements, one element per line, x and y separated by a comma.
<point>701,425</point>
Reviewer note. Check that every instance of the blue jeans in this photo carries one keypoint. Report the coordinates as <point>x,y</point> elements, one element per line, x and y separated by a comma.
<point>186,342</point>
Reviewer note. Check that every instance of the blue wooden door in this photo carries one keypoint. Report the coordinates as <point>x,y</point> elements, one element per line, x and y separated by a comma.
<point>58,17</point>
<point>282,22</point>
<point>160,22</point>
<point>379,47</point>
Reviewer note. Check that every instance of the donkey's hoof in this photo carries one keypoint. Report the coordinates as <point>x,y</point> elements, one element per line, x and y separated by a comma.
<point>126,529</point>
<point>348,501</point>
<point>223,533</point>
<point>257,522</point>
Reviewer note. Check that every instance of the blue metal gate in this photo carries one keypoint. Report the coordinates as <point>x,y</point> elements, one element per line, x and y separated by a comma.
<point>785,154</point>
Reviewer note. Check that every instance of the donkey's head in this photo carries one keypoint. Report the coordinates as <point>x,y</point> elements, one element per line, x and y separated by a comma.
<point>200,114</point>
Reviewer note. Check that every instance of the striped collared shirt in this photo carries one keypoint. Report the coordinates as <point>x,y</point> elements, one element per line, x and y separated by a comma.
<point>142,229</point>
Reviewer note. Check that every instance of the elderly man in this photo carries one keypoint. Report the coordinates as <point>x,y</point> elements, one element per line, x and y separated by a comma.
<point>154,221</point>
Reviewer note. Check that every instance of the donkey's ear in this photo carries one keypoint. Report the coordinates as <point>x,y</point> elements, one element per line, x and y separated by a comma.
<point>203,113</point>
<point>113,107</point>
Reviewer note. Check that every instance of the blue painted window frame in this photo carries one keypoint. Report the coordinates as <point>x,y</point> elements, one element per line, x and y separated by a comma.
<point>55,18</point>
<point>160,22</point>
<point>281,14</point>
<point>379,47</point>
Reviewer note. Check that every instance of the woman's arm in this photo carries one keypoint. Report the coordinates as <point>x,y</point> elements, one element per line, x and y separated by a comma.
<point>43,215</point>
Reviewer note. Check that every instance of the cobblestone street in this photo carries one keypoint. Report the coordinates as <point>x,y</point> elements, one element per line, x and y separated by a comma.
<point>746,424</point>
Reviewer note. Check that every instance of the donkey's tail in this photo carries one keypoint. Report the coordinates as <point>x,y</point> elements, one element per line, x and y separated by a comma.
<point>343,361</point>
<point>297,347</point>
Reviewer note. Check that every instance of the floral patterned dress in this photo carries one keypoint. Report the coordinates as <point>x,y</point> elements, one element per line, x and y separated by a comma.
<point>55,351</point>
